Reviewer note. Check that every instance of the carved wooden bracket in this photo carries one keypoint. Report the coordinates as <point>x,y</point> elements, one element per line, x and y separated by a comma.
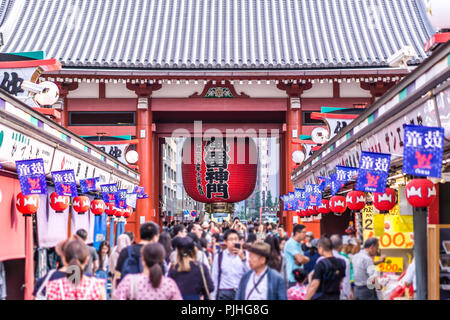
<point>219,90</point>
<point>377,89</point>
<point>294,89</point>
<point>145,89</point>
<point>66,87</point>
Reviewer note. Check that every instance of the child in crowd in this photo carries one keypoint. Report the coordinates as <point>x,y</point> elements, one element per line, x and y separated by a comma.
<point>298,292</point>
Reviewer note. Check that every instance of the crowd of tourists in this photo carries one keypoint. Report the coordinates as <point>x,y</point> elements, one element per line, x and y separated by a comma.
<point>209,261</point>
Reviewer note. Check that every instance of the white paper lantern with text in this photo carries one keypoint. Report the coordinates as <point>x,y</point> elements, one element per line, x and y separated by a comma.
<point>319,135</point>
<point>298,156</point>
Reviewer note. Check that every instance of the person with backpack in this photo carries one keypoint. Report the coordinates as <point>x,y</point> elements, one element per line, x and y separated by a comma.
<point>129,261</point>
<point>229,266</point>
<point>327,275</point>
<point>151,283</point>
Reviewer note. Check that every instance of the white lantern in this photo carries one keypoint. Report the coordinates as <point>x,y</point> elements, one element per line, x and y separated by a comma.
<point>319,135</point>
<point>438,12</point>
<point>298,156</point>
<point>132,157</point>
<point>49,96</point>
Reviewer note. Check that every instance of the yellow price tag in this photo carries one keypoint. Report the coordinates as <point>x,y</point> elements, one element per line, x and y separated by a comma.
<point>378,225</point>
<point>391,264</point>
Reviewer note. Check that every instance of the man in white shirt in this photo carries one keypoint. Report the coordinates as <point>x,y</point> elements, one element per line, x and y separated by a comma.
<point>262,283</point>
<point>228,267</point>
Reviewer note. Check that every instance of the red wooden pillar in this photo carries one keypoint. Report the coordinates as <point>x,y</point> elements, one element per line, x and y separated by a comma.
<point>293,130</point>
<point>144,131</point>
<point>64,89</point>
<point>29,259</point>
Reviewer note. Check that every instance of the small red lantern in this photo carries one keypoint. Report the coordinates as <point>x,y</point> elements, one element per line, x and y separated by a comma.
<point>110,209</point>
<point>420,193</point>
<point>385,201</point>
<point>338,204</point>
<point>356,200</point>
<point>324,208</point>
<point>81,204</point>
<point>118,212</point>
<point>59,203</point>
<point>127,213</point>
<point>98,207</point>
<point>27,205</point>
<point>303,213</point>
<point>311,210</point>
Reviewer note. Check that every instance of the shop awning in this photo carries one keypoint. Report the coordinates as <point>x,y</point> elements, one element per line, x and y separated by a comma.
<point>27,134</point>
<point>422,98</point>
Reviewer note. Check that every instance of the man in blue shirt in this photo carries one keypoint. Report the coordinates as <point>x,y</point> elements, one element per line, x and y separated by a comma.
<point>293,253</point>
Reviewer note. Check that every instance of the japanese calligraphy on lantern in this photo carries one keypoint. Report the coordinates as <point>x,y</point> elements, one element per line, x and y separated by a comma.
<point>198,167</point>
<point>65,184</point>
<point>109,192</point>
<point>423,150</point>
<point>121,199</point>
<point>88,185</point>
<point>373,172</point>
<point>217,174</point>
<point>32,176</point>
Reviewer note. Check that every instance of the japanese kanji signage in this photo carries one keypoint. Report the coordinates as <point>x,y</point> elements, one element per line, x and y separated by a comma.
<point>65,184</point>
<point>373,172</point>
<point>32,176</point>
<point>336,185</point>
<point>292,204</point>
<point>109,192</point>
<point>300,198</point>
<point>323,182</point>
<point>121,199</point>
<point>285,199</point>
<point>88,185</point>
<point>345,174</point>
<point>131,200</point>
<point>423,150</point>
<point>313,195</point>
<point>217,174</point>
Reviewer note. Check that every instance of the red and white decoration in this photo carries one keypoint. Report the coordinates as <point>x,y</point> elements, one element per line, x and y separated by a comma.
<point>324,208</point>
<point>231,172</point>
<point>338,204</point>
<point>385,201</point>
<point>356,200</point>
<point>59,203</point>
<point>81,204</point>
<point>128,212</point>
<point>27,205</point>
<point>420,193</point>
<point>118,212</point>
<point>98,206</point>
<point>110,209</point>
<point>312,210</point>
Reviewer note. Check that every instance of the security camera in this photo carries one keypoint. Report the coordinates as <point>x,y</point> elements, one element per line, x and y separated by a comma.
<point>401,57</point>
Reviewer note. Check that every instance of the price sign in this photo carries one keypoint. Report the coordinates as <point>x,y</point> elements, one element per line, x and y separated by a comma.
<point>391,264</point>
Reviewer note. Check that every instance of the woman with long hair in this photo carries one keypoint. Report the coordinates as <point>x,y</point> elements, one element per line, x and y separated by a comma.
<point>275,259</point>
<point>166,241</point>
<point>104,251</point>
<point>192,277</point>
<point>151,284</point>
<point>76,285</point>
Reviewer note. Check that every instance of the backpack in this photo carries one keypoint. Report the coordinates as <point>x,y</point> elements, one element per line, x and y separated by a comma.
<point>132,264</point>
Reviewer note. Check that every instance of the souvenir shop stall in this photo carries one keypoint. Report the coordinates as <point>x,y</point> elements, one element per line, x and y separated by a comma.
<point>52,183</point>
<point>386,175</point>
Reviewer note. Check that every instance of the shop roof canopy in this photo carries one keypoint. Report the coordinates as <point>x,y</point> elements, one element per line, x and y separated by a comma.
<point>229,34</point>
<point>420,98</point>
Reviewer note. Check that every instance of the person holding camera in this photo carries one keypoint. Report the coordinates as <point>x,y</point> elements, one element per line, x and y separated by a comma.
<point>228,267</point>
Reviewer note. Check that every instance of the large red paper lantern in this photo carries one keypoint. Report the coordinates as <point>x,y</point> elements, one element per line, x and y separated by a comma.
<point>81,204</point>
<point>219,170</point>
<point>356,200</point>
<point>118,212</point>
<point>420,193</point>
<point>98,207</point>
<point>385,201</point>
<point>59,203</point>
<point>128,212</point>
<point>324,208</point>
<point>338,204</point>
<point>303,213</point>
<point>110,209</point>
<point>27,205</point>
